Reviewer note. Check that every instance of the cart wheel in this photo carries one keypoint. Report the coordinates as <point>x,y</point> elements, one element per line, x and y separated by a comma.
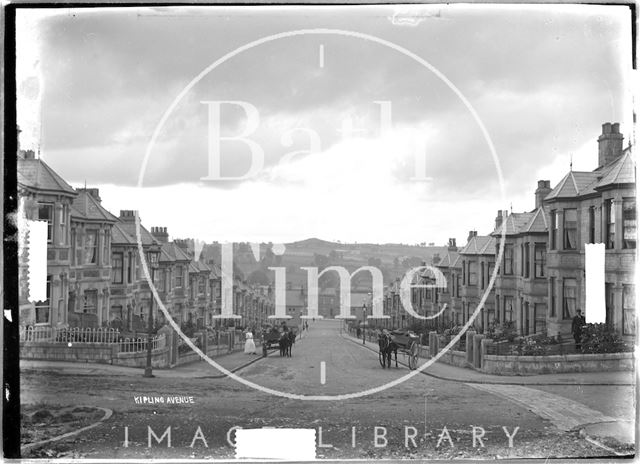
<point>413,356</point>
<point>381,358</point>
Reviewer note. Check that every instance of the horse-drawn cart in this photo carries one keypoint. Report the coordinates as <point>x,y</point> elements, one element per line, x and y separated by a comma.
<point>270,339</point>
<point>391,342</point>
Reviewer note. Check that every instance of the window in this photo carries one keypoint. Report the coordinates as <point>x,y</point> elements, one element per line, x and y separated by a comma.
<point>490,267</point>
<point>45,213</point>
<point>611,224</point>
<point>90,305</point>
<point>497,319</point>
<point>552,297</point>
<point>629,223</point>
<point>527,260</point>
<point>43,308</point>
<point>508,259</point>
<point>464,272</point>
<point>129,267</point>
<point>481,275</point>
<point>116,268</point>
<point>628,310</point>
<point>457,285</point>
<point>159,279</point>
<point>106,246</point>
<point>508,308</point>
<point>473,275</point>
<point>539,316</point>
<point>179,276</point>
<point>63,224</point>
<point>570,228</point>
<point>540,260</point>
<point>91,247</point>
<point>609,303</point>
<point>568,298</point>
<point>167,280</point>
<point>592,225</point>
<point>554,229</point>
<point>73,247</point>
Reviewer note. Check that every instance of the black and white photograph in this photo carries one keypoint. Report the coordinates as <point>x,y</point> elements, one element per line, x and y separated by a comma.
<point>320,232</point>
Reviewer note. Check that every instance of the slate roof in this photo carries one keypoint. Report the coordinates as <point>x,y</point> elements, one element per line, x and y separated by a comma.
<point>120,237</point>
<point>36,174</point>
<point>538,222</point>
<point>85,207</point>
<point>130,228</point>
<point>574,184</point>
<point>448,259</point>
<point>170,252</point>
<point>456,262</point>
<point>480,245</point>
<point>622,171</point>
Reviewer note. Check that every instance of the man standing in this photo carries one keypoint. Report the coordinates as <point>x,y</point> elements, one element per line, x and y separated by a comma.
<point>576,328</point>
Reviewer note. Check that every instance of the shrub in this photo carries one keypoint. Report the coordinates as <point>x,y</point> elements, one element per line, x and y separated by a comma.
<point>502,332</point>
<point>602,338</point>
<point>531,347</point>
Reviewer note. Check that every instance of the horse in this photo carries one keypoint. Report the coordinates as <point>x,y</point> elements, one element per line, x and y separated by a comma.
<point>287,339</point>
<point>387,346</point>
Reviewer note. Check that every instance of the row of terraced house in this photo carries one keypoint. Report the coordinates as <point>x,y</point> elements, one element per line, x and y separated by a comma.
<point>95,277</point>
<point>540,282</point>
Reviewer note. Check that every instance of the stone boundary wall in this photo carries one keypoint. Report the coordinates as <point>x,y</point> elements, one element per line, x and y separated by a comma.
<point>77,352</point>
<point>555,364</point>
<point>159,358</point>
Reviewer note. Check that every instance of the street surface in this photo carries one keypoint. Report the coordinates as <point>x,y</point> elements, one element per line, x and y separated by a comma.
<point>422,406</point>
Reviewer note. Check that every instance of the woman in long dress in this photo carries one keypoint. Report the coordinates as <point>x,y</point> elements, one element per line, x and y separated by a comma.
<point>249,345</point>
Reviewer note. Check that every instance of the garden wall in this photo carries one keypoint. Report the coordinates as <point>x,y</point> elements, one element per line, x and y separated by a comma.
<point>555,364</point>
<point>159,358</point>
<point>76,352</point>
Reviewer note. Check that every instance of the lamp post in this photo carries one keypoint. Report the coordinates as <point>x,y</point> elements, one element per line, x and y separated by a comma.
<point>364,322</point>
<point>148,370</point>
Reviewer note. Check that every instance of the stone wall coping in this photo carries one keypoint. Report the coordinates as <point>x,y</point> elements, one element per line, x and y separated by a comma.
<point>559,357</point>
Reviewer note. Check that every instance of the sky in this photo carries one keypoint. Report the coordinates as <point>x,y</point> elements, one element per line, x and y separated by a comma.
<point>364,135</point>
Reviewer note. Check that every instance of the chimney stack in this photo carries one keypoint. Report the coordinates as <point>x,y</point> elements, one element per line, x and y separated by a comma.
<point>160,234</point>
<point>544,188</point>
<point>609,143</point>
<point>452,245</point>
<point>472,233</point>
<point>499,219</point>
<point>94,192</point>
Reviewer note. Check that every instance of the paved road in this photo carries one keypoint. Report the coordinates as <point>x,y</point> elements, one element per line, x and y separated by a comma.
<point>424,403</point>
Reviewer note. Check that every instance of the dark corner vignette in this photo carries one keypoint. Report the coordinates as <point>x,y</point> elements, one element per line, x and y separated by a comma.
<point>11,378</point>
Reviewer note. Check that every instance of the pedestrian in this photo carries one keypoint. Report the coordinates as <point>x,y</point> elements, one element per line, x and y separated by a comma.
<point>249,344</point>
<point>576,328</point>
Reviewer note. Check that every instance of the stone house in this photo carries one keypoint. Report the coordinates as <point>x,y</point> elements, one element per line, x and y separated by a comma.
<point>594,207</point>
<point>521,284</point>
<point>478,260</point>
<point>45,196</point>
<point>90,270</point>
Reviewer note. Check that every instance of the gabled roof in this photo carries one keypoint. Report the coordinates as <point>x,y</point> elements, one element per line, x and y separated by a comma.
<point>86,207</point>
<point>457,262</point>
<point>448,259</point>
<point>172,252</point>
<point>514,223</point>
<point>480,245</point>
<point>193,269</point>
<point>538,222</point>
<point>145,236</point>
<point>120,237</point>
<point>574,184</point>
<point>36,174</point>
<point>202,267</point>
<point>622,171</point>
